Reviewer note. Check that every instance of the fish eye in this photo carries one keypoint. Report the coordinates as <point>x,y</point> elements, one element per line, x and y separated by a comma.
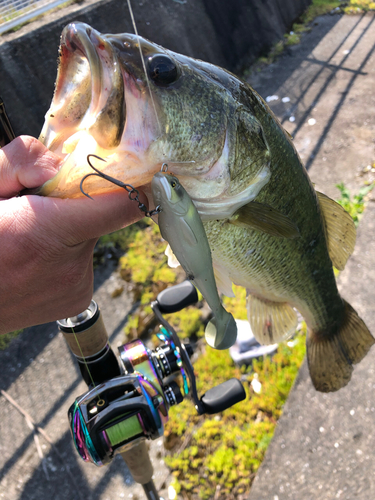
<point>162,70</point>
<point>173,184</point>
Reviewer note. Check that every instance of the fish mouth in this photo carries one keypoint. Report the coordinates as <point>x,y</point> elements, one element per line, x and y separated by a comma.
<point>89,92</point>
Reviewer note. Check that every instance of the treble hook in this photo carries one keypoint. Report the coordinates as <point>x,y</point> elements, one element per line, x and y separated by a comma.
<point>100,174</point>
<point>132,191</point>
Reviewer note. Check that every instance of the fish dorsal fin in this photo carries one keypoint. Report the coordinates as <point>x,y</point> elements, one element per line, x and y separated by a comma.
<point>340,231</point>
<point>172,259</point>
<point>264,218</point>
<point>271,322</point>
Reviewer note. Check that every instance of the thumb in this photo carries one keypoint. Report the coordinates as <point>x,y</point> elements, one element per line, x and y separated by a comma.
<point>25,163</point>
<point>73,221</point>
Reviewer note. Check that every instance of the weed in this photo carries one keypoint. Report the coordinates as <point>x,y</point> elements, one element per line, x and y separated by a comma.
<point>354,205</point>
<point>145,266</point>
<point>317,8</point>
<point>6,338</point>
<point>226,450</point>
<point>358,6</point>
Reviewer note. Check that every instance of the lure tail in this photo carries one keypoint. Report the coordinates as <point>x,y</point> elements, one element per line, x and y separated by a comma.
<point>221,333</point>
<point>331,355</point>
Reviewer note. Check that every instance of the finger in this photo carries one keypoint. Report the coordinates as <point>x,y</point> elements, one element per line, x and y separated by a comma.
<point>73,221</point>
<point>25,163</point>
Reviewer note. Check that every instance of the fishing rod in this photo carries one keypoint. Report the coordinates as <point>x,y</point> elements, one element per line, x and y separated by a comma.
<point>6,130</point>
<point>129,397</point>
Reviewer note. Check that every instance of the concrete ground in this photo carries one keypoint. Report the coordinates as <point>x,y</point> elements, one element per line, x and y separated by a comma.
<point>323,447</point>
<point>323,444</point>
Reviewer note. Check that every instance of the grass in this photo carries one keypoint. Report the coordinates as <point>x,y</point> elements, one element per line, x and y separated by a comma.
<point>354,205</point>
<point>303,24</point>
<point>6,338</point>
<point>225,451</point>
<point>145,266</point>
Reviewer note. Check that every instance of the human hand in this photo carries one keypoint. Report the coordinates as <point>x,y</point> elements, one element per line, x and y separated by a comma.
<point>46,244</point>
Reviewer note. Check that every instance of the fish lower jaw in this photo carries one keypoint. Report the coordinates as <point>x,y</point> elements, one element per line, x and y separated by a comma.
<point>125,166</point>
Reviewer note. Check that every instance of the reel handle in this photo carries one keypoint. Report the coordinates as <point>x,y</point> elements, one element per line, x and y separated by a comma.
<point>223,396</point>
<point>177,297</point>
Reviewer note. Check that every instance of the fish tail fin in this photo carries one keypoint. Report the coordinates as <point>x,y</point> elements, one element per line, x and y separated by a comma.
<point>221,333</point>
<point>331,356</point>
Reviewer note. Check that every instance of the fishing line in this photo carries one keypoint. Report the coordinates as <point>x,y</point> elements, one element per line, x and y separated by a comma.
<point>143,64</point>
<point>83,357</point>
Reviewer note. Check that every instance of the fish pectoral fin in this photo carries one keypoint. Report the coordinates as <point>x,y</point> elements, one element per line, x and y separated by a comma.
<point>172,259</point>
<point>271,322</point>
<point>340,230</point>
<point>264,218</point>
<point>330,355</point>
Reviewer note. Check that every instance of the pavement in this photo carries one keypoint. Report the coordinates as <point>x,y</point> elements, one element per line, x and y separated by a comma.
<point>323,445</point>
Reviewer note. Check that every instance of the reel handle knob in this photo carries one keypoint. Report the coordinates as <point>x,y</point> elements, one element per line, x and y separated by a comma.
<point>177,297</point>
<point>223,396</point>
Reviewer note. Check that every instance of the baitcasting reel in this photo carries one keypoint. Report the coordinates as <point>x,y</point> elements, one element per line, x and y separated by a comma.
<point>133,402</point>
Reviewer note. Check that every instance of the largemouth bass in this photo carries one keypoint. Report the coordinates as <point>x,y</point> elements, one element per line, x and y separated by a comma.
<point>181,226</point>
<point>268,229</point>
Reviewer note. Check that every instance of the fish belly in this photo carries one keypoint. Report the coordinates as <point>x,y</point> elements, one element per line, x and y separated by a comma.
<point>278,269</point>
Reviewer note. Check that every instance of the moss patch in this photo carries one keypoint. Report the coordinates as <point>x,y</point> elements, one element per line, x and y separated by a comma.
<point>316,8</point>
<point>145,267</point>
<point>6,338</point>
<point>224,451</point>
<point>354,205</point>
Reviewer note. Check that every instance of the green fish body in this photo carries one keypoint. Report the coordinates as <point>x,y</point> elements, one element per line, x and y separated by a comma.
<point>268,229</point>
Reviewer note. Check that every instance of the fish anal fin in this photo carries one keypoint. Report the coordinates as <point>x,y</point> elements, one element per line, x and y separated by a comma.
<point>340,230</point>
<point>331,355</point>
<point>264,218</point>
<point>271,322</point>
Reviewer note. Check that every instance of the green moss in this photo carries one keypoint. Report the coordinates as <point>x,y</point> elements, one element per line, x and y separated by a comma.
<point>145,265</point>
<point>292,38</point>
<point>358,6</point>
<point>316,8</point>
<point>319,8</point>
<point>354,205</point>
<point>6,338</point>
<point>237,304</point>
<point>226,450</point>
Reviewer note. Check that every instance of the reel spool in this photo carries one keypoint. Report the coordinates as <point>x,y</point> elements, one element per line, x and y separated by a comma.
<point>109,417</point>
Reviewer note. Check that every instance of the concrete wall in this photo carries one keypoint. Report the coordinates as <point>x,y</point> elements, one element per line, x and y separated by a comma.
<point>229,33</point>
